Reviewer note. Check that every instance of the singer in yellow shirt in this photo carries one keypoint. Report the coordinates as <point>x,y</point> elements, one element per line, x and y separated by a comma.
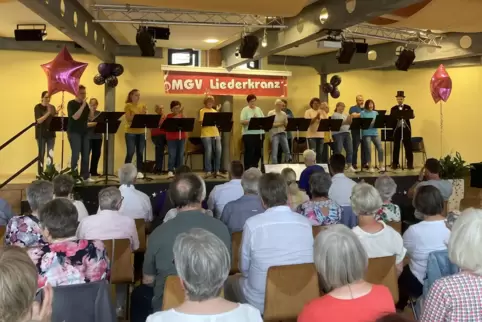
<point>135,138</point>
<point>211,139</point>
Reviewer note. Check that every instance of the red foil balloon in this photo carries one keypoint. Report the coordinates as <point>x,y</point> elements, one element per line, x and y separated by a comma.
<point>63,73</point>
<point>441,85</point>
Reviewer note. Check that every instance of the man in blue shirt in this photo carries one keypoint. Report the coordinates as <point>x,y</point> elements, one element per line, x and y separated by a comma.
<point>355,134</point>
<point>289,135</point>
<point>309,156</point>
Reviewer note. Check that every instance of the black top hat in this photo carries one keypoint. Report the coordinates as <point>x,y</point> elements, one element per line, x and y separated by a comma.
<point>400,94</point>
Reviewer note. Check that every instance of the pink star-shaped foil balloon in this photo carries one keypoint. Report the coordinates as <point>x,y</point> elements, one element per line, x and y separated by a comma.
<point>440,85</point>
<point>63,73</point>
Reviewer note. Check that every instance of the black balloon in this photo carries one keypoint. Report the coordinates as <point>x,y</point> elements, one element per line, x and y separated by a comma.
<point>105,69</point>
<point>335,80</point>
<point>111,81</point>
<point>335,93</point>
<point>99,80</point>
<point>117,70</point>
<point>327,88</point>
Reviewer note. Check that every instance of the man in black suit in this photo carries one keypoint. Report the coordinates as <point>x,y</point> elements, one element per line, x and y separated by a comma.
<point>403,126</point>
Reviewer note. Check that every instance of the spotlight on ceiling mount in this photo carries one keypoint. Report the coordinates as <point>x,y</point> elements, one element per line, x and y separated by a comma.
<point>30,32</point>
<point>405,59</point>
<point>324,15</point>
<point>346,52</point>
<point>145,41</point>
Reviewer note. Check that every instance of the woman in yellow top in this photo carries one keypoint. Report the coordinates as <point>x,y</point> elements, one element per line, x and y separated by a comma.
<point>135,138</point>
<point>211,139</point>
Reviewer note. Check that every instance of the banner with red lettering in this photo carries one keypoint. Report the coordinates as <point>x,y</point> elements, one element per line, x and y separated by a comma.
<point>179,82</point>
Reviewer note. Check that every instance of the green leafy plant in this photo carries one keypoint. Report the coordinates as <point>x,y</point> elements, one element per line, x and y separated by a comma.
<point>454,167</point>
<point>51,171</point>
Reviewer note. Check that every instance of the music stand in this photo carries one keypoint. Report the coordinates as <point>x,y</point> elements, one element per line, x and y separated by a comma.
<point>178,124</point>
<point>298,124</point>
<point>384,122</point>
<point>359,124</point>
<point>401,115</point>
<point>221,120</point>
<point>59,124</point>
<point>145,121</point>
<point>265,124</point>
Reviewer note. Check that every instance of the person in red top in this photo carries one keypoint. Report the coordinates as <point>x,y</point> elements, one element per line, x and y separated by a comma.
<point>158,137</point>
<point>341,262</point>
<point>175,142</point>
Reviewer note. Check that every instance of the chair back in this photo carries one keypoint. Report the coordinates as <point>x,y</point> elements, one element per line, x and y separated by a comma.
<point>194,145</point>
<point>299,146</point>
<point>141,233</point>
<point>348,217</point>
<point>397,225</point>
<point>317,229</point>
<point>173,293</point>
<point>3,231</point>
<point>121,261</point>
<point>236,238</point>
<point>382,270</point>
<point>417,144</point>
<point>288,289</point>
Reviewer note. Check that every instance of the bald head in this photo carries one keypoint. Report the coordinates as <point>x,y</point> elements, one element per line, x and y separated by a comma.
<point>187,189</point>
<point>359,100</point>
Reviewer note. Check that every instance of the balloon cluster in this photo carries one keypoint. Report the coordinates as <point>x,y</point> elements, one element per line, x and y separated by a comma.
<point>332,87</point>
<point>108,74</point>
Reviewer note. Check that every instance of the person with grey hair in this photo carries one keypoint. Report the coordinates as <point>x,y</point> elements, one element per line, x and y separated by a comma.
<point>202,277</point>
<point>379,239</point>
<point>459,297</point>
<point>108,223</point>
<point>226,192</point>
<point>275,237</point>
<point>187,191</point>
<point>236,212</point>
<point>320,210</point>
<point>309,156</point>
<point>342,263</point>
<point>387,187</point>
<point>136,203</point>
<point>24,231</point>
<point>64,188</point>
<point>278,133</point>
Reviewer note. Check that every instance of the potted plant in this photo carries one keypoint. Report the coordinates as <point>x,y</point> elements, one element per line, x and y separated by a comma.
<point>51,171</point>
<point>455,169</point>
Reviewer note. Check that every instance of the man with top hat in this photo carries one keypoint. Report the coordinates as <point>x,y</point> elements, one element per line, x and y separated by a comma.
<point>402,127</point>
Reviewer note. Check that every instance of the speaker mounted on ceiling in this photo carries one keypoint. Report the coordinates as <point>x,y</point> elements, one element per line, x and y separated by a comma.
<point>146,42</point>
<point>346,52</point>
<point>248,47</point>
<point>405,59</point>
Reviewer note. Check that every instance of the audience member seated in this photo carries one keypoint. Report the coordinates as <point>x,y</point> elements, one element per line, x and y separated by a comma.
<point>66,260</point>
<point>420,240</point>
<point>136,203</point>
<point>202,277</point>
<point>341,185</point>
<point>6,212</point>
<point>18,278</point>
<point>459,297</point>
<point>236,212</point>
<point>108,223</point>
<point>320,210</point>
<point>389,211</point>
<point>309,156</point>
<point>276,237</point>
<point>187,191</point>
<point>430,176</point>
<point>226,192</point>
<point>63,188</point>
<point>342,262</point>
<point>295,196</point>
<point>378,239</point>
<point>24,231</point>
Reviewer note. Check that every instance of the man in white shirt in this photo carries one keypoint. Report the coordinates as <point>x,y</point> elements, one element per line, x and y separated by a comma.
<point>109,223</point>
<point>136,203</point>
<point>273,238</point>
<point>226,192</point>
<point>341,185</point>
<point>63,188</point>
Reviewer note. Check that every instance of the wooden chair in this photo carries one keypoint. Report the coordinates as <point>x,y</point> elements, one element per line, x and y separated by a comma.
<point>193,146</point>
<point>121,261</point>
<point>288,289</point>
<point>299,146</point>
<point>317,229</point>
<point>397,225</point>
<point>382,270</point>
<point>3,231</point>
<point>141,233</point>
<point>235,250</point>
<point>173,293</point>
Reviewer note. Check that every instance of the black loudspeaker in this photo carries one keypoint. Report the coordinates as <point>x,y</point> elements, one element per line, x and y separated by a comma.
<point>159,32</point>
<point>146,42</point>
<point>346,52</point>
<point>248,47</point>
<point>361,48</point>
<point>405,60</point>
<point>29,34</point>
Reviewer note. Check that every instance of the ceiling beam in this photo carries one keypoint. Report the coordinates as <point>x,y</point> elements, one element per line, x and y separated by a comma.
<point>75,21</point>
<point>306,26</point>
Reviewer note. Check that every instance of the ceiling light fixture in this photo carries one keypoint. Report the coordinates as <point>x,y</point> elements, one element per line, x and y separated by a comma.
<point>324,15</point>
<point>264,41</point>
<point>211,40</point>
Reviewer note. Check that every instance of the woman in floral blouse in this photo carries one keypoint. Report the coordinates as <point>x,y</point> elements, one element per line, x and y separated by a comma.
<point>320,210</point>
<point>66,260</point>
<point>24,231</point>
<point>389,211</point>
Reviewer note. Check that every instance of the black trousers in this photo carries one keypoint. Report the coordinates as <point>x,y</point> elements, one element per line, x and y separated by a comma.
<point>95,150</point>
<point>253,147</point>
<point>407,144</point>
<point>141,299</point>
<point>408,285</point>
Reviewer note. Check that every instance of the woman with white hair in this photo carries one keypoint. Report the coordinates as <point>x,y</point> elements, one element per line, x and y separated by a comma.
<point>389,211</point>
<point>309,157</point>
<point>342,262</point>
<point>459,297</point>
<point>295,196</point>
<point>378,239</point>
<point>278,133</point>
<point>202,263</point>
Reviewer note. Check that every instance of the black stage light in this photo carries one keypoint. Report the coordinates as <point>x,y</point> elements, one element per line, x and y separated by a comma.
<point>32,32</point>
<point>405,59</point>
<point>146,42</point>
<point>361,47</point>
<point>160,33</point>
<point>346,52</point>
<point>248,47</point>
